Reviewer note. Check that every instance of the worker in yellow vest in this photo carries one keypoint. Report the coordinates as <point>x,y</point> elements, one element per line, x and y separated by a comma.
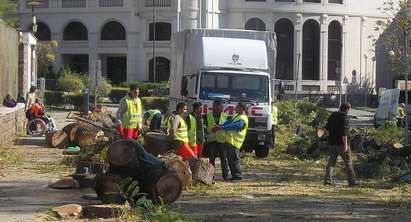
<point>215,143</point>
<point>236,130</point>
<point>274,120</point>
<point>129,114</point>
<point>178,132</point>
<point>152,119</point>
<point>195,129</point>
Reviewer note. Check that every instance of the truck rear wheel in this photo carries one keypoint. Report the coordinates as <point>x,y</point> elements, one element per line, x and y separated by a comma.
<point>262,151</point>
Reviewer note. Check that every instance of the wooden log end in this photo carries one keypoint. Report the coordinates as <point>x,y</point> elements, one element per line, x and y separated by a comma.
<point>168,188</point>
<point>121,152</point>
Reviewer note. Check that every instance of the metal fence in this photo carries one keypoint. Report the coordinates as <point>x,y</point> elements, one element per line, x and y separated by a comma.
<point>9,48</point>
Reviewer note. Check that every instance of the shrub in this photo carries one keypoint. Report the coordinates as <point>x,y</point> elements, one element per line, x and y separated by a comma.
<point>53,98</point>
<point>70,81</point>
<point>117,93</point>
<point>105,87</point>
<point>146,88</point>
<point>160,103</point>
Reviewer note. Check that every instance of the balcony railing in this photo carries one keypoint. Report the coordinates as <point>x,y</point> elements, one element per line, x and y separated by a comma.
<point>110,3</point>
<point>157,3</point>
<point>37,3</point>
<point>74,3</point>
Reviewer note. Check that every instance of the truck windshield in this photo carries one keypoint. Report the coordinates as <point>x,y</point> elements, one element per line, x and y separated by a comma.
<point>232,86</point>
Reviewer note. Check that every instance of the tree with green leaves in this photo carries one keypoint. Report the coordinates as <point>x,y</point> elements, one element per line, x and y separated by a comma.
<point>396,28</point>
<point>8,10</point>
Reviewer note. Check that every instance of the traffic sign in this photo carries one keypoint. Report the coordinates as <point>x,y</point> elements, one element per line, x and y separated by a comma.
<point>345,80</point>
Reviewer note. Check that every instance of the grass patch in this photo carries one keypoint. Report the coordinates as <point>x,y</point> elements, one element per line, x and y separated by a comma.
<point>10,156</point>
<point>52,167</point>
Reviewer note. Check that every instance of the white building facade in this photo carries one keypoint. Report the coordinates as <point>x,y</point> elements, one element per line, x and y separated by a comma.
<point>320,42</point>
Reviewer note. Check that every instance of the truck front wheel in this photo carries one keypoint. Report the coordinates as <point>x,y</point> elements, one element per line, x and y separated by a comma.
<point>262,151</point>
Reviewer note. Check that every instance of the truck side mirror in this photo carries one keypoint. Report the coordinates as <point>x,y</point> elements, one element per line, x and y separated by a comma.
<point>184,85</point>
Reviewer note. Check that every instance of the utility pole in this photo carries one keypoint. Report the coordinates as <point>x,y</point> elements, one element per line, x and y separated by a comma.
<point>296,76</point>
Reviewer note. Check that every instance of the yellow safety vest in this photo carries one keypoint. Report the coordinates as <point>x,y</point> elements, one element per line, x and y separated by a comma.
<point>274,115</point>
<point>192,132</point>
<point>132,118</point>
<point>220,136</point>
<point>182,130</point>
<point>236,138</point>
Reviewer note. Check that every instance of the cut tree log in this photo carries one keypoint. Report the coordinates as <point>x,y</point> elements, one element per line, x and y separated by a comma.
<point>49,135</point>
<point>123,153</point>
<point>202,170</point>
<point>59,139</point>
<point>86,138</point>
<point>161,186</point>
<point>68,128</point>
<point>176,163</point>
<point>156,143</point>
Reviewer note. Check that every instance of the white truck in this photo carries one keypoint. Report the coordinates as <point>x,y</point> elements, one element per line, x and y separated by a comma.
<point>228,65</point>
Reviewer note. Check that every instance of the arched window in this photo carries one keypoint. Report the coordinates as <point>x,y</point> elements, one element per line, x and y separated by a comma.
<point>162,70</point>
<point>284,30</point>
<point>113,31</point>
<point>334,51</point>
<point>75,31</point>
<point>255,24</point>
<point>43,32</point>
<point>311,50</point>
<point>162,31</point>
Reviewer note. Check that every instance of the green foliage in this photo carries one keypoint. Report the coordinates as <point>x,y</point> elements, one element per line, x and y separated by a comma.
<point>388,133</point>
<point>8,8</point>
<point>105,87</point>
<point>393,35</point>
<point>70,81</point>
<point>46,56</point>
<point>118,93</point>
<point>160,103</point>
<point>301,112</point>
<point>146,88</point>
<point>53,98</point>
<point>153,212</point>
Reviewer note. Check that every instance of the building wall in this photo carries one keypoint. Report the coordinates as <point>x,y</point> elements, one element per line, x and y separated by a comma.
<point>9,48</point>
<point>357,18</point>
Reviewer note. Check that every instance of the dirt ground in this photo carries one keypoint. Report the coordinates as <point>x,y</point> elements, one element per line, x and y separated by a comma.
<point>278,188</point>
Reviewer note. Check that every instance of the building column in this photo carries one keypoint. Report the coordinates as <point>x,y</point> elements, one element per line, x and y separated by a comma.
<point>324,53</point>
<point>93,55</point>
<point>344,73</point>
<point>362,34</point>
<point>298,43</point>
<point>133,60</point>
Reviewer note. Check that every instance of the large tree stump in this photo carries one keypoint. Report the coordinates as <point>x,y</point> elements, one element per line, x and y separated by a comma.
<point>156,143</point>
<point>59,139</point>
<point>202,170</point>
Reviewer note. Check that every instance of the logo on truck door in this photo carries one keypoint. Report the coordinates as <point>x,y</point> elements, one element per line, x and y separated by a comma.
<point>230,110</point>
<point>235,58</point>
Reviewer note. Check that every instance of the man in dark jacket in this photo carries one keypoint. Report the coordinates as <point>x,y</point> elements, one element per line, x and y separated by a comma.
<point>337,126</point>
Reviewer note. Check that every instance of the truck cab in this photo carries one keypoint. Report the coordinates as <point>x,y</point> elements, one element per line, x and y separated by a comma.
<point>230,68</point>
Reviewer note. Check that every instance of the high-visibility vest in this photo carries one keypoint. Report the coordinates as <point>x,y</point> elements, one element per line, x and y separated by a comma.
<point>274,115</point>
<point>182,131</point>
<point>132,118</point>
<point>192,132</point>
<point>236,138</point>
<point>219,136</point>
<point>152,112</point>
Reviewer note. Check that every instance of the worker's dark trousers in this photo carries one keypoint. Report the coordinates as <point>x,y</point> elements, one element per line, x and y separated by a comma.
<point>335,151</point>
<point>215,150</point>
<point>233,155</point>
<point>155,122</point>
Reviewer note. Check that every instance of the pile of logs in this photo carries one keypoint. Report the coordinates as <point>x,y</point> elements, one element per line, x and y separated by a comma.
<point>76,134</point>
<point>128,159</point>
